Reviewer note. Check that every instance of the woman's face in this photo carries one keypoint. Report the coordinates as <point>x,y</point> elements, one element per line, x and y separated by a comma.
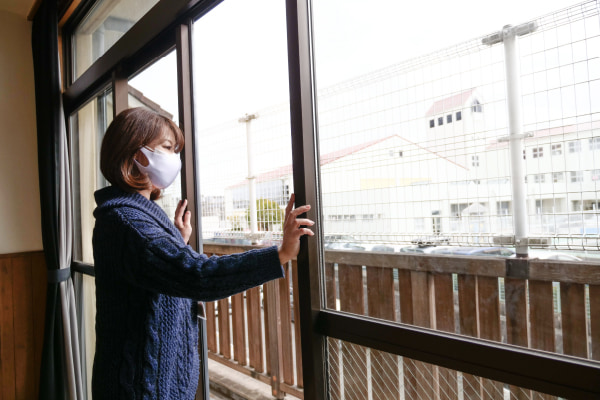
<point>164,143</point>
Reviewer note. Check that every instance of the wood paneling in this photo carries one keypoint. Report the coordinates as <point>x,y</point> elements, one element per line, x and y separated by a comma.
<point>22,305</point>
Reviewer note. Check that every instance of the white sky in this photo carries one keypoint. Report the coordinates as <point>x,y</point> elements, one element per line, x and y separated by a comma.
<point>240,59</point>
<point>244,43</point>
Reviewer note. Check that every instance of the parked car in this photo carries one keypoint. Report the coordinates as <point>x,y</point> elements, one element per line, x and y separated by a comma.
<point>475,251</point>
<point>343,242</point>
<point>433,240</point>
<point>417,249</point>
<point>384,248</point>
<point>552,255</point>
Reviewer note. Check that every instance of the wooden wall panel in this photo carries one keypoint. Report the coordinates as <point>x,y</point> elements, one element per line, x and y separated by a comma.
<point>22,306</point>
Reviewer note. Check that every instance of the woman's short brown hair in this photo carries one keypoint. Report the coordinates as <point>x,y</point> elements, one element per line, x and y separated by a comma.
<point>127,133</point>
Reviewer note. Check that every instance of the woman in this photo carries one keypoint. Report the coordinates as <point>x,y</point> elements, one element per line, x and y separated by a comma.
<point>148,280</point>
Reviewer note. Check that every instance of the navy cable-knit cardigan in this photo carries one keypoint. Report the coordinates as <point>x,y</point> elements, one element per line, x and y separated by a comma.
<point>146,278</point>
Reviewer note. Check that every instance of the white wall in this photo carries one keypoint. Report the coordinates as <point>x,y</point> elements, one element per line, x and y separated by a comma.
<point>20,225</point>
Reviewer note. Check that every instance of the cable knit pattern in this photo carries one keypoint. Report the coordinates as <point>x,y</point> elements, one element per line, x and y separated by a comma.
<point>147,282</point>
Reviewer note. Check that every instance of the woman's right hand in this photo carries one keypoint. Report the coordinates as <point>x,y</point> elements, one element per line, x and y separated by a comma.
<point>293,229</point>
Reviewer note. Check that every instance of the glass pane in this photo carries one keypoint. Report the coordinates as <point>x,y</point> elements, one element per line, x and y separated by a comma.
<point>416,176</point>
<point>155,88</point>
<point>357,372</point>
<point>85,292</point>
<point>106,22</point>
<point>88,125</point>
<point>243,123</point>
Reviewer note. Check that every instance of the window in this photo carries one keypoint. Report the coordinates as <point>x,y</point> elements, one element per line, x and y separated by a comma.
<point>537,152</point>
<point>595,175</point>
<point>457,209</point>
<point>576,176</point>
<point>594,143</point>
<point>575,146</point>
<point>106,23</point>
<point>558,177</point>
<point>538,206</point>
<point>449,118</point>
<point>539,178</point>
<point>557,149</point>
<point>406,207</point>
<point>503,208</point>
<point>591,205</point>
<point>524,154</point>
<point>475,161</point>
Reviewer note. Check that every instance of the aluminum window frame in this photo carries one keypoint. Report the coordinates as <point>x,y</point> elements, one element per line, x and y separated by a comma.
<point>167,26</point>
<point>571,378</point>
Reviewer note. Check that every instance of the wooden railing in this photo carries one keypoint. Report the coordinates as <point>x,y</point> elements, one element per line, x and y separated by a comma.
<point>261,336</point>
<point>546,305</point>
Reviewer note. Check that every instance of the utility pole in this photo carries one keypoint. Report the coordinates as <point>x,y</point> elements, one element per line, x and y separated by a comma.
<point>247,118</point>
<point>508,35</point>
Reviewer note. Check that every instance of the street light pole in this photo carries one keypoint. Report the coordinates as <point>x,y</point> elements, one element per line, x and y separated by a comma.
<point>508,35</point>
<point>247,118</point>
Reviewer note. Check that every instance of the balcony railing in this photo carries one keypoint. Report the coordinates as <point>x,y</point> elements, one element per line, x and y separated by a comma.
<point>541,304</point>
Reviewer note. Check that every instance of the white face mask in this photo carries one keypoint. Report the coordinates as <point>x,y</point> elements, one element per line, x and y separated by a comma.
<point>162,167</point>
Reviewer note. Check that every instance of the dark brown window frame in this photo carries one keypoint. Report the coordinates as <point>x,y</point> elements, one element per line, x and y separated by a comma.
<point>168,26</point>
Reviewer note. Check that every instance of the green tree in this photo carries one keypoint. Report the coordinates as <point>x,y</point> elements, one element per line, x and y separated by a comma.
<point>268,213</point>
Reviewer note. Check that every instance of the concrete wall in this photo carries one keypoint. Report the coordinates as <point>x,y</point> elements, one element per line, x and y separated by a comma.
<point>20,226</point>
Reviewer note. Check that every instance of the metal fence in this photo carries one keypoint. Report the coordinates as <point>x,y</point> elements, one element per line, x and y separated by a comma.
<point>419,149</point>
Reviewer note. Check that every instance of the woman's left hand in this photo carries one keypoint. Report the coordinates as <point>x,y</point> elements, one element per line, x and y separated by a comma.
<point>182,220</point>
<point>293,229</point>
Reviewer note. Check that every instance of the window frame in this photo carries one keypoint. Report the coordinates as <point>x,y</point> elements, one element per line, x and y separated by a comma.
<point>166,26</point>
<point>509,364</point>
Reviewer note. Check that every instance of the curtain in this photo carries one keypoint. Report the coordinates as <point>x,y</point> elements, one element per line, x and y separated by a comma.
<point>60,373</point>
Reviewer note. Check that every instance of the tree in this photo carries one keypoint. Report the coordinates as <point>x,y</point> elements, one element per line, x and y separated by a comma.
<point>268,213</point>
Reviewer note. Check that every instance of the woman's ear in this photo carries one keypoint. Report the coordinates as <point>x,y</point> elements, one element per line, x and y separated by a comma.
<point>141,158</point>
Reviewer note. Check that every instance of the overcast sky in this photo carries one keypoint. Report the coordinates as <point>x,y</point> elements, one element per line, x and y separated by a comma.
<point>240,58</point>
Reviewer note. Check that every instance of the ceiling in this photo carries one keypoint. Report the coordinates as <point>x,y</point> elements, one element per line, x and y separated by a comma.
<point>19,7</point>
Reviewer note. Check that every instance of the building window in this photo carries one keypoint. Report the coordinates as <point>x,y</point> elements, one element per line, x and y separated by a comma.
<point>440,121</point>
<point>476,106</point>
<point>596,175</point>
<point>457,209</point>
<point>537,152</point>
<point>595,143</point>
<point>458,115</point>
<point>431,123</point>
<point>538,206</point>
<point>449,118</point>
<point>575,147</point>
<point>524,154</point>
<point>576,176</point>
<point>558,177</point>
<point>557,149</point>
<point>475,161</point>
<point>503,208</point>
<point>539,178</point>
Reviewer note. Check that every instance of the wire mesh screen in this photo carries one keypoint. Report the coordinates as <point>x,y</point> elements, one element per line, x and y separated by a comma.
<point>418,152</point>
<point>361,373</point>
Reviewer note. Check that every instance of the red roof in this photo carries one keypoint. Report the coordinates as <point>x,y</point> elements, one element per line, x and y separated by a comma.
<point>450,103</point>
